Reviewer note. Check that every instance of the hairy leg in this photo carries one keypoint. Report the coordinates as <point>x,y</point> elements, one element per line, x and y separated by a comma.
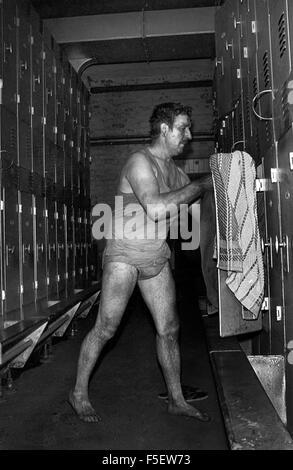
<point>118,283</point>
<point>159,295</point>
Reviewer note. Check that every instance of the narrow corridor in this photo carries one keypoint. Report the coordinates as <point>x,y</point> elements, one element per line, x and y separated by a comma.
<point>123,389</point>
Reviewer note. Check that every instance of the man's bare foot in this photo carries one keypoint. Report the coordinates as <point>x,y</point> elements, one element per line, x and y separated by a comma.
<point>187,410</point>
<point>83,408</point>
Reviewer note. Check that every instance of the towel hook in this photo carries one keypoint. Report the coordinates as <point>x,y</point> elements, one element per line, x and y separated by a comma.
<point>255,101</point>
<point>236,143</point>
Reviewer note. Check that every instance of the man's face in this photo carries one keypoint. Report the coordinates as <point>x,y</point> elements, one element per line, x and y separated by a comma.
<point>179,135</point>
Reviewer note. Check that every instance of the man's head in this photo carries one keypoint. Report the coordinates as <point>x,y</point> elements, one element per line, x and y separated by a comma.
<point>172,122</point>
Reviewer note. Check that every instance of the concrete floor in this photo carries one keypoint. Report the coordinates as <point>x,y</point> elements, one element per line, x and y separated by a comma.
<point>123,389</point>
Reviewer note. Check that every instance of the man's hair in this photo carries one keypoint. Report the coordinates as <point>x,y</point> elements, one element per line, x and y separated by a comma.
<point>167,112</point>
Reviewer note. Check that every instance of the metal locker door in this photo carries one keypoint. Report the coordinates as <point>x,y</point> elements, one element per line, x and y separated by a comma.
<point>9,141</point>
<point>264,338</point>
<point>238,126</point>
<point>265,79</point>
<point>60,85</point>
<point>84,247</point>
<point>9,93</point>
<point>37,98</point>
<point>282,63</point>
<point>24,69</point>
<point>41,249</point>
<point>25,148</point>
<point>52,250</point>
<point>61,255</point>
<point>281,57</point>
<point>78,248</point>
<point>1,49</point>
<point>68,165</point>
<point>27,249</point>
<point>233,46</point>
<point>285,157</point>
<point>11,243</point>
<point>246,51</point>
<point>70,250</point>
<point>223,65</point>
<point>51,160</point>
<point>275,269</point>
<point>2,296</point>
<point>67,102</point>
<point>49,91</point>
<point>60,168</point>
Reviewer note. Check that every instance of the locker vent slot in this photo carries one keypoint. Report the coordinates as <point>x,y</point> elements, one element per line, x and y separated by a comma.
<point>268,132</point>
<point>266,69</point>
<point>285,105</point>
<point>255,87</point>
<point>13,138</point>
<point>282,35</point>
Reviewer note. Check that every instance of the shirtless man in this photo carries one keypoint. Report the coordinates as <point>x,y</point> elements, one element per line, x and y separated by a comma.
<point>151,180</point>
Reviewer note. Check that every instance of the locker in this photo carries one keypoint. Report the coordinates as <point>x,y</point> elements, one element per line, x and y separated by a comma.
<point>1,49</point>
<point>28,264</point>
<point>49,93</point>
<point>61,249</point>
<point>273,210</point>
<point>265,79</point>
<point>60,169</point>
<point>247,53</point>
<point>70,277</point>
<point>11,245</point>
<point>282,63</point>
<point>67,102</point>
<point>25,145</point>
<point>60,90</point>
<point>238,134</point>
<point>9,141</point>
<point>68,164</point>
<point>285,152</point>
<point>37,121</point>
<point>2,297</point>
<point>40,249</point>
<point>9,94</point>
<point>223,65</point>
<point>264,340</point>
<point>233,46</point>
<point>51,153</point>
<point>281,56</point>
<point>79,256</point>
<point>24,69</point>
<point>52,240</point>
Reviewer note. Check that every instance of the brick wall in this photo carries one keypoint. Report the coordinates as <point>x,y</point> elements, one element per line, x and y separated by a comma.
<point>125,114</point>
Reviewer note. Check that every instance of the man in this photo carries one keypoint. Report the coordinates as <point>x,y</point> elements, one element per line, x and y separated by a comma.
<point>152,182</point>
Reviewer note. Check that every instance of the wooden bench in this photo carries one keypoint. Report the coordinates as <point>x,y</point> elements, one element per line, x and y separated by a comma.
<point>51,319</point>
<point>252,422</point>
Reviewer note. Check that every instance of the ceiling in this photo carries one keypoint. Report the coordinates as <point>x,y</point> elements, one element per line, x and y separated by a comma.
<point>130,31</point>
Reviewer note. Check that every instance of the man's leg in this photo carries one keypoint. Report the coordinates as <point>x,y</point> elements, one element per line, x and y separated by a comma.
<point>159,295</point>
<point>118,283</point>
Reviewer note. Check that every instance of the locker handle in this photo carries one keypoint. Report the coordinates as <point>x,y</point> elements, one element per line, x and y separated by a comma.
<point>236,143</point>
<point>270,246</point>
<point>255,100</point>
<point>9,250</point>
<point>279,245</point>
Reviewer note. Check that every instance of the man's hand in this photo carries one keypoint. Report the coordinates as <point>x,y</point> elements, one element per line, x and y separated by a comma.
<point>205,183</point>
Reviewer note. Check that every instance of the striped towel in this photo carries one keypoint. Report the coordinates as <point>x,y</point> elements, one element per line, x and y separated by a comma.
<point>238,240</point>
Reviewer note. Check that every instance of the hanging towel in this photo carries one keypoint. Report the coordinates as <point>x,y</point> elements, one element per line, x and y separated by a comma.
<point>238,240</point>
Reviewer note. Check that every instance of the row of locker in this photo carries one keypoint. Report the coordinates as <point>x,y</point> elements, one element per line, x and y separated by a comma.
<point>47,250</point>
<point>254,75</point>
<point>254,83</point>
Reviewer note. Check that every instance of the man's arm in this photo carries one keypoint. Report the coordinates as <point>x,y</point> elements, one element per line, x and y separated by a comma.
<point>140,175</point>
